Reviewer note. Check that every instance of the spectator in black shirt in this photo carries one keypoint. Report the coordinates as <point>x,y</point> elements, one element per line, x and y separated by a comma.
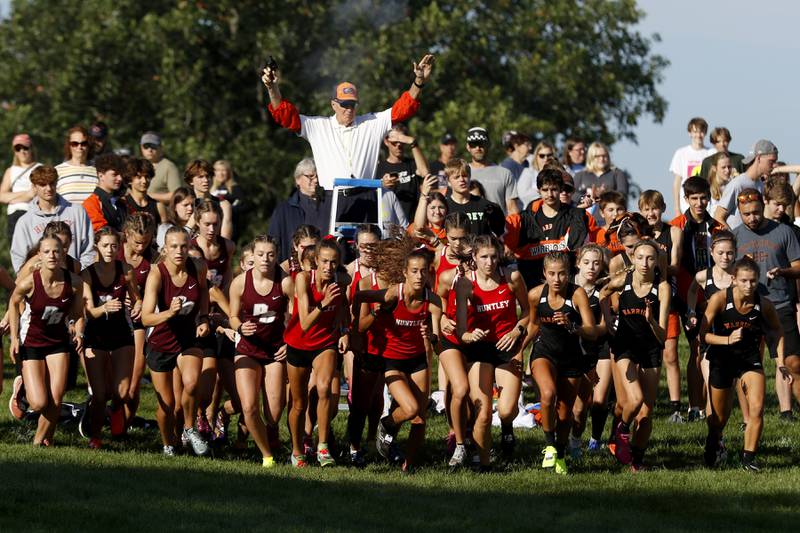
<point>137,176</point>
<point>402,174</point>
<point>485,217</point>
<point>308,204</point>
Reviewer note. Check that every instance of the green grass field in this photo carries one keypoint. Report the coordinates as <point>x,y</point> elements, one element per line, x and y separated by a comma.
<point>131,486</point>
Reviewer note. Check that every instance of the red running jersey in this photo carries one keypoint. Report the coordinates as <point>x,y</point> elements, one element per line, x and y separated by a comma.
<point>494,311</point>
<point>444,265</point>
<point>179,332</point>
<point>322,333</point>
<point>266,312</point>
<point>48,325</point>
<point>402,329</point>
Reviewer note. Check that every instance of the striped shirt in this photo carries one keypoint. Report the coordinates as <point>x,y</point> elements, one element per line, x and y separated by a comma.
<point>75,183</point>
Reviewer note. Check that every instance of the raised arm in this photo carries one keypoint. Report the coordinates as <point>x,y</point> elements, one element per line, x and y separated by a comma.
<point>282,111</point>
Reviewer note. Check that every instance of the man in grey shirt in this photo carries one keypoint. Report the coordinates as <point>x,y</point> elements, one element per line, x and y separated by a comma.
<point>776,249</point>
<point>762,159</point>
<point>498,182</point>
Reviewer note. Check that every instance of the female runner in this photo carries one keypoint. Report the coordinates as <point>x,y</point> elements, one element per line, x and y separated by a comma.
<point>138,253</point>
<point>317,328</point>
<point>366,384</point>
<point>109,355</point>
<point>734,325</point>
<point>53,294</point>
<point>643,312</point>
<point>179,288</point>
<point>560,315</point>
<point>258,299</point>
<point>409,320</point>
<point>592,397</point>
<point>305,236</point>
<point>218,349</point>
<point>492,338</point>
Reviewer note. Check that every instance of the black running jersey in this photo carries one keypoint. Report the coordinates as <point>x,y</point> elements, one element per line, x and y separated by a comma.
<point>633,331</point>
<point>592,348</point>
<point>710,288</point>
<point>729,320</point>
<point>554,339</point>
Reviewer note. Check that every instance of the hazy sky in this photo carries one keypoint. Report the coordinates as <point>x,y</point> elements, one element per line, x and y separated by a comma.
<point>733,62</point>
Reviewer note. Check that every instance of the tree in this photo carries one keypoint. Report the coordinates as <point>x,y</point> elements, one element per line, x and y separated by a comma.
<point>190,70</point>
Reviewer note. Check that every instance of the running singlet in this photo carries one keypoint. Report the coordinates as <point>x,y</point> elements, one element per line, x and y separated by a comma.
<point>730,319</point>
<point>267,313</point>
<point>451,311</point>
<point>710,288</point>
<point>139,273</point>
<point>402,329</point>
<point>494,311</point>
<point>48,325</point>
<point>554,339</point>
<point>321,334</point>
<point>373,346</point>
<point>179,332</point>
<point>593,348</point>
<point>217,268</point>
<point>357,277</point>
<point>112,327</point>
<point>444,265</point>
<point>633,331</point>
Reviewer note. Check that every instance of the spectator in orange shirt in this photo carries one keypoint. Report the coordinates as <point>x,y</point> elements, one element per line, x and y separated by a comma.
<point>103,205</point>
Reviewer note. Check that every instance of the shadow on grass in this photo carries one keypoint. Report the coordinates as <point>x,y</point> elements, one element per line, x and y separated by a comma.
<point>41,492</point>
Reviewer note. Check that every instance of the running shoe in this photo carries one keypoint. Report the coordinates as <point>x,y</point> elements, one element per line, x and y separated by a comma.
<point>722,454</point>
<point>637,467</point>
<point>308,446</point>
<point>507,444</point>
<point>742,427</point>
<point>168,451</point>
<point>358,458</point>
<point>221,427</point>
<point>594,446</point>
<point>451,442</point>
<point>622,449</point>
<point>196,440</point>
<point>694,415</point>
<point>299,461</point>
<point>787,416</point>
<point>383,440</point>
<point>750,465</point>
<point>394,455</point>
<point>85,420</point>
<point>676,418</point>
<point>611,446</point>
<point>560,467</point>
<point>459,457</point>
<point>324,456</point>
<point>202,425</point>
<point>268,462</point>
<point>117,422</point>
<point>574,447</point>
<point>95,443</point>
<point>184,439</point>
<point>549,460</point>
<point>13,402</point>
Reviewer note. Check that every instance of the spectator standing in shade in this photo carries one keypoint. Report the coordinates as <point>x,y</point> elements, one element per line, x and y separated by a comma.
<point>224,187</point>
<point>347,145</point>
<point>517,146</point>
<point>498,183</point>
<point>16,189</point>
<point>447,151</point>
<point>49,206</point>
<point>599,173</point>
<point>721,139</point>
<point>526,185</point>
<point>76,178</point>
<point>98,134</point>
<point>308,204</point>
<point>686,159</point>
<point>403,175</point>
<point>198,175</point>
<point>168,177</point>
<point>574,158</point>
<point>760,161</point>
<point>104,206</point>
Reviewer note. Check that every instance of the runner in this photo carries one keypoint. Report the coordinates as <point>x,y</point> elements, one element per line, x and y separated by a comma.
<point>53,294</point>
<point>637,346</point>
<point>734,325</point>
<point>560,316</point>
<point>492,339</point>
<point>179,287</point>
<point>109,354</point>
<point>138,253</point>
<point>403,334</point>
<point>305,236</point>
<point>258,299</point>
<point>316,333</point>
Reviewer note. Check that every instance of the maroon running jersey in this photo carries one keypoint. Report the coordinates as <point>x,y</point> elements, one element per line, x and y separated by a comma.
<point>108,329</point>
<point>179,332</point>
<point>48,324</point>
<point>267,313</point>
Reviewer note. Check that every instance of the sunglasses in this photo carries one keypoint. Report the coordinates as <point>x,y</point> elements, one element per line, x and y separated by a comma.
<point>749,197</point>
<point>75,144</point>
<point>476,145</point>
<point>348,104</point>
<point>149,146</point>
<point>21,147</point>
<point>544,156</point>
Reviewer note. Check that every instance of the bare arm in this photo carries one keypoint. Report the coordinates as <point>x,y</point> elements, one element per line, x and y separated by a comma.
<point>714,307</point>
<point>677,250</point>
<point>149,315</point>
<point>227,220</point>
<point>676,194</point>
<point>8,197</point>
<point>234,300</point>
<point>721,216</point>
<point>587,329</point>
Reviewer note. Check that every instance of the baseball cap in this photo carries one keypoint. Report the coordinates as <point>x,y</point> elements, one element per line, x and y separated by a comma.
<point>21,138</point>
<point>447,138</point>
<point>761,147</point>
<point>507,136</point>
<point>99,130</point>
<point>345,92</point>
<point>150,137</point>
<point>477,135</point>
